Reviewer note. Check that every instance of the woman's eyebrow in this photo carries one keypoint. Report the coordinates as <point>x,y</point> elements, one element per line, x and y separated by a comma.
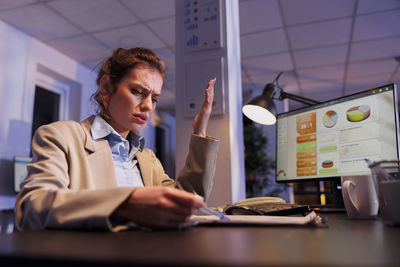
<point>144,88</point>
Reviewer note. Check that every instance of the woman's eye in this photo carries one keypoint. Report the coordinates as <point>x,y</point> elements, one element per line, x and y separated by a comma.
<point>135,91</point>
<point>155,100</point>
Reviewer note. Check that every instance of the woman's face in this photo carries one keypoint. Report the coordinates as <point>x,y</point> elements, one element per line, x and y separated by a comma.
<point>135,98</point>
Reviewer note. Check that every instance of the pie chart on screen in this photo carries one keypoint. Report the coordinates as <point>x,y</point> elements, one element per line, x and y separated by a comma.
<point>330,119</point>
<point>358,113</point>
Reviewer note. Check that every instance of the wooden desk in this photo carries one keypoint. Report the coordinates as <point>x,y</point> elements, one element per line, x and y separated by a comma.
<point>343,243</point>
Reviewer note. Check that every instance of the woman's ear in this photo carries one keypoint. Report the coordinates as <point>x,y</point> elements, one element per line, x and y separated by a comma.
<point>105,90</point>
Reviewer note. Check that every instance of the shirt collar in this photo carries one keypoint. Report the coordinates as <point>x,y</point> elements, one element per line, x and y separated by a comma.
<point>136,140</point>
<point>101,129</point>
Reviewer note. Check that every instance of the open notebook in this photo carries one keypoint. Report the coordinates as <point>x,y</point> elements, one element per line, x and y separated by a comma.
<point>310,219</point>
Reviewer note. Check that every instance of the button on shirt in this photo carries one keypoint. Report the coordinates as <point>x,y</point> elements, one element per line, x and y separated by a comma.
<point>123,152</point>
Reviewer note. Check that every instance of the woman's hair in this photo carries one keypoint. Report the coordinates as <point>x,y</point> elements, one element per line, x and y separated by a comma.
<point>119,64</point>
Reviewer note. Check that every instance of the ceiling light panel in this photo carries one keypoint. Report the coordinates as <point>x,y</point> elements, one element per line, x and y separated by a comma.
<point>368,6</point>
<point>94,15</point>
<point>273,63</point>
<point>40,22</point>
<point>132,36</point>
<point>259,15</point>
<point>263,43</point>
<point>305,11</point>
<point>377,49</point>
<point>165,29</point>
<point>320,56</point>
<point>81,48</point>
<point>154,9</point>
<point>327,73</point>
<point>9,4</point>
<point>372,67</point>
<point>320,34</point>
<point>375,26</point>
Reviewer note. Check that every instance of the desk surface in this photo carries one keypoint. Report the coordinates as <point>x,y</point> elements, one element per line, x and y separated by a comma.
<point>344,242</point>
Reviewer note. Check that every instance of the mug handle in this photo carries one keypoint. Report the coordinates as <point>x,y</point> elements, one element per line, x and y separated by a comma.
<point>348,187</point>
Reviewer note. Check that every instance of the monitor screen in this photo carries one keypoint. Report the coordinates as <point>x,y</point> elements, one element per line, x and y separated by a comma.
<point>333,138</point>
<point>20,171</point>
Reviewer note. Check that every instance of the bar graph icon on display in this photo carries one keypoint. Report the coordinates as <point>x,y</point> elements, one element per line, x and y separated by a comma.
<point>202,25</point>
<point>193,41</point>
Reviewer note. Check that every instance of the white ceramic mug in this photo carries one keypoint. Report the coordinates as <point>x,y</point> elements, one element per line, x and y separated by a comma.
<point>359,196</point>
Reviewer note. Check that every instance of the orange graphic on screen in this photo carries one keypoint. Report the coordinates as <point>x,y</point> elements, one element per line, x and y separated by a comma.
<point>306,171</point>
<point>306,144</point>
<point>306,138</point>
<point>306,154</point>
<point>306,123</point>
<point>307,163</point>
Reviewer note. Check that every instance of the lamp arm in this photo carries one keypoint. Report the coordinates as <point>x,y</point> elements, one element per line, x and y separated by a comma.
<point>297,98</point>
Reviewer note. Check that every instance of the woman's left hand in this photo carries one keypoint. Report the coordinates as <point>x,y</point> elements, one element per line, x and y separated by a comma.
<point>200,122</point>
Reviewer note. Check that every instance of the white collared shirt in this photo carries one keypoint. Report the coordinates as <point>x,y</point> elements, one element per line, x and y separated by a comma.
<point>123,151</point>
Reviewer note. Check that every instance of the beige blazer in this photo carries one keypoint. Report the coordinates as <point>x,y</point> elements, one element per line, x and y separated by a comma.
<point>71,181</point>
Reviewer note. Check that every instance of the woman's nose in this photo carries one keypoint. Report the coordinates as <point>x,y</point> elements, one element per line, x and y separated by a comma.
<point>147,104</point>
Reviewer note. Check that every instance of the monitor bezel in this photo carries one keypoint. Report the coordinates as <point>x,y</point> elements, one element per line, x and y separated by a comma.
<point>341,99</point>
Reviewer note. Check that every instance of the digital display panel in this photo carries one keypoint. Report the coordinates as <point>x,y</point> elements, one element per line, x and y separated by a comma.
<point>333,138</point>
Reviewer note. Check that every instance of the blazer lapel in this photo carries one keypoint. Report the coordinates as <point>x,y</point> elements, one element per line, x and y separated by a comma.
<point>99,157</point>
<point>89,142</point>
<point>145,169</point>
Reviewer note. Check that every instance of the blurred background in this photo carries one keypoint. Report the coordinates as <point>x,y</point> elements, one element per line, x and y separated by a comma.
<point>326,48</point>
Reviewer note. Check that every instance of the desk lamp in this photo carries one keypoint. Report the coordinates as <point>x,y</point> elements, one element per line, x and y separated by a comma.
<point>261,109</point>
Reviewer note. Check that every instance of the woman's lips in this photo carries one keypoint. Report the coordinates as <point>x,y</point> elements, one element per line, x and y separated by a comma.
<point>140,119</point>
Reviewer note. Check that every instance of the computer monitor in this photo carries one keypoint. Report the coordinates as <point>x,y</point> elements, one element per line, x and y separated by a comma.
<point>333,138</point>
<point>20,171</point>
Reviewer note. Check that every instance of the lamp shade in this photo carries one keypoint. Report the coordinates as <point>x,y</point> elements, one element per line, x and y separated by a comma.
<point>262,108</point>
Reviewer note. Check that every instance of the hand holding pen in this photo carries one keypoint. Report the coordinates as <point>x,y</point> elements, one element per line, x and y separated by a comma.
<point>159,207</point>
<point>204,209</point>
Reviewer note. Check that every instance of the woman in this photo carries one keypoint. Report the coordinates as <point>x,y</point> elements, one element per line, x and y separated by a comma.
<point>96,174</point>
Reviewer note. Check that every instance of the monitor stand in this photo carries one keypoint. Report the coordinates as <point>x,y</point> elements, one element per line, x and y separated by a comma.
<point>336,193</point>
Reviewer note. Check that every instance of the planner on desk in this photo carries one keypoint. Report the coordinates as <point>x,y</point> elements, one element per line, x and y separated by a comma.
<point>309,219</point>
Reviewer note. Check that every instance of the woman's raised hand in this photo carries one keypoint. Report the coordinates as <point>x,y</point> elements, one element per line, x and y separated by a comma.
<point>200,122</point>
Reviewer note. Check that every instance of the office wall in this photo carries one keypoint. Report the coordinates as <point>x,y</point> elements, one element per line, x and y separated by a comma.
<point>21,59</point>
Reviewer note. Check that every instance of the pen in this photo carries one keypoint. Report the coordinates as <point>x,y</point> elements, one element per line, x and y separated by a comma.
<point>209,211</point>
<point>205,209</point>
